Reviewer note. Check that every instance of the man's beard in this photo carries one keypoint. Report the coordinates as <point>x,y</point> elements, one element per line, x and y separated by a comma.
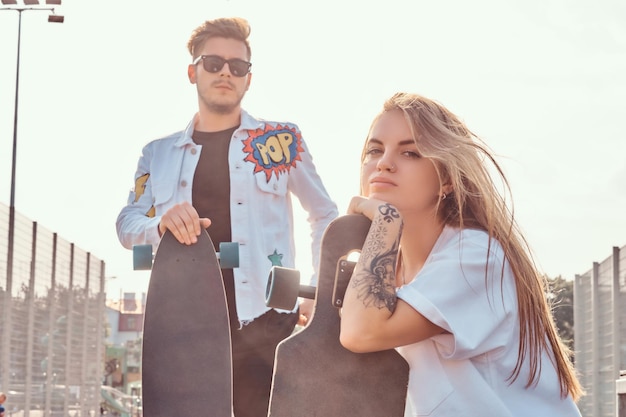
<point>221,108</point>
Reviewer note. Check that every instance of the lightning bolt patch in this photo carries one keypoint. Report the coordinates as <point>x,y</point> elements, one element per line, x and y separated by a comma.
<point>140,189</point>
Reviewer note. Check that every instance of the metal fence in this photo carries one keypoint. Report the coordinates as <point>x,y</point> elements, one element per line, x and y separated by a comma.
<point>51,324</point>
<point>600,332</point>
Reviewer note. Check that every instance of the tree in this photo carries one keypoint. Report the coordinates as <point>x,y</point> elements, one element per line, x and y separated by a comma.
<point>561,299</point>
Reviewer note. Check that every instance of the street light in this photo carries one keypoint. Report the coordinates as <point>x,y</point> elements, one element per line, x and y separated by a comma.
<point>6,314</point>
<point>13,5</point>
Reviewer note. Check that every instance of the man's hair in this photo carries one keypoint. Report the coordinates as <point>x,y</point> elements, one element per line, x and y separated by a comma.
<point>228,27</point>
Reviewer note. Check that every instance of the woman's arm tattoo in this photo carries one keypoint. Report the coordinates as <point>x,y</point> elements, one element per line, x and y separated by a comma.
<point>375,279</point>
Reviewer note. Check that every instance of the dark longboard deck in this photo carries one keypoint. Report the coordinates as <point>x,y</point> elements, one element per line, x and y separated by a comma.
<point>186,358</point>
<point>314,375</point>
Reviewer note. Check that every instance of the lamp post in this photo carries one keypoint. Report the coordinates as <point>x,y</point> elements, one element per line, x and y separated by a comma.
<point>52,17</point>
<point>28,5</point>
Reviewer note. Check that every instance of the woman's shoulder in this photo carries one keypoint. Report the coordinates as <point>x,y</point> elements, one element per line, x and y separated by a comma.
<point>473,239</point>
<point>468,250</point>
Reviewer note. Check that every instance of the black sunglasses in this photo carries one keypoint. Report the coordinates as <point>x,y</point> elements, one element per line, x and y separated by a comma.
<point>214,63</point>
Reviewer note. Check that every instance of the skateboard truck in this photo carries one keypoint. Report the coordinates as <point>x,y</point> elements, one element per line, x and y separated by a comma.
<point>342,278</point>
<point>283,285</point>
<point>228,256</point>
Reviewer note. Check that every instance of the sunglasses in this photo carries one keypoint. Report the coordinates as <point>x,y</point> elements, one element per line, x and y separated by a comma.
<point>214,63</point>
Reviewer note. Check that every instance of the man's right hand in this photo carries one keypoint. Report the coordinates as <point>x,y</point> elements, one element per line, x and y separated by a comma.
<point>184,223</point>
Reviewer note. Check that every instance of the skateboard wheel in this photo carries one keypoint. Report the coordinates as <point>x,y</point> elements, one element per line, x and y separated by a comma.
<point>283,287</point>
<point>142,257</point>
<point>229,255</point>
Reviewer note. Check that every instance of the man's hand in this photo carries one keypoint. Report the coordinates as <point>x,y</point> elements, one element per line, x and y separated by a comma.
<point>184,223</point>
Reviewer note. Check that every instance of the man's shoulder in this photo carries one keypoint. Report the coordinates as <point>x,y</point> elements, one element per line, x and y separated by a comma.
<point>168,140</point>
<point>277,122</point>
<point>251,122</point>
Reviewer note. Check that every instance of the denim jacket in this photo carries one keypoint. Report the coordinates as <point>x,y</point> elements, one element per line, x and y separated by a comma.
<point>268,162</point>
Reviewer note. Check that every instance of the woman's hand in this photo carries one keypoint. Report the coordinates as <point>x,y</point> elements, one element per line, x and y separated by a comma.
<point>365,206</point>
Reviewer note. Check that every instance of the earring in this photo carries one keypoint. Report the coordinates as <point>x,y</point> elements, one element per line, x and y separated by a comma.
<point>443,196</point>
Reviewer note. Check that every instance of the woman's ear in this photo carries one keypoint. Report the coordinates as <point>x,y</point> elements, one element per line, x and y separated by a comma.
<point>446,189</point>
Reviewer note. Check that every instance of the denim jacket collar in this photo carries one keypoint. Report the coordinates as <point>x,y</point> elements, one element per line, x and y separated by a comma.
<point>247,122</point>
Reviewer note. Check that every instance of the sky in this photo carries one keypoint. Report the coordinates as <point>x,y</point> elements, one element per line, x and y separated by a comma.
<point>543,82</point>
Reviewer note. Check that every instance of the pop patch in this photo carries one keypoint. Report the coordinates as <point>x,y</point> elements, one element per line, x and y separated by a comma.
<point>273,149</point>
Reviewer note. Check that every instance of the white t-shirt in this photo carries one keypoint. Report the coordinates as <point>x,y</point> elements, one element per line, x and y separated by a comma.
<point>466,372</point>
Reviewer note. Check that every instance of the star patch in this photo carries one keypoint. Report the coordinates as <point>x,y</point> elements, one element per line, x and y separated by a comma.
<point>276,258</point>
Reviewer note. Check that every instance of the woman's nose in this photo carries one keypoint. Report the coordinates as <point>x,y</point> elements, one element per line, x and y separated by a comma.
<point>386,164</point>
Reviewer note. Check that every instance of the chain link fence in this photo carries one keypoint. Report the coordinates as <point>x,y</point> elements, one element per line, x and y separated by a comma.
<point>600,333</point>
<point>51,324</point>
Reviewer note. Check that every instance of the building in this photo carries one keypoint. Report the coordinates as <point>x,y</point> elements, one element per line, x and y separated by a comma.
<point>600,332</point>
<point>125,319</point>
<point>123,343</point>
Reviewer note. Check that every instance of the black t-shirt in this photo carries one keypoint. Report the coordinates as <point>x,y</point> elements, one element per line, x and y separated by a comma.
<point>210,197</point>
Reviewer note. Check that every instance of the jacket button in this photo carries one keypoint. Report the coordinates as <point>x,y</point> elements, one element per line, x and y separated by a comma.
<point>194,151</point>
<point>183,183</point>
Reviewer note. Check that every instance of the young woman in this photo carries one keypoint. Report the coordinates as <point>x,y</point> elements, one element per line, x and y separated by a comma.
<point>446,277</point>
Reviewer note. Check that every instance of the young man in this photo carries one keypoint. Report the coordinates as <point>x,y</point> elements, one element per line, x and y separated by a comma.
<point>236,174</point>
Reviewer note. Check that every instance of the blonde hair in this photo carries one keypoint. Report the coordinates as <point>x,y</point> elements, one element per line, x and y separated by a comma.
<point>462,159</point>
<point>227,27</point>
